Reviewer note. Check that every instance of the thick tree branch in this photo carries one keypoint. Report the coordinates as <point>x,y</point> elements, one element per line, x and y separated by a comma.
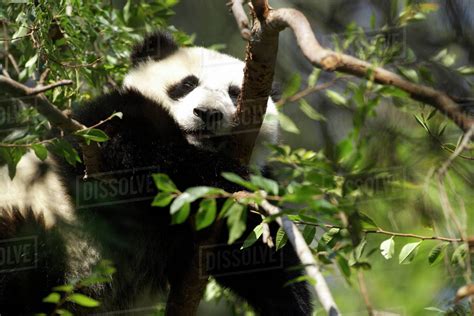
<point>273,21</point>
<point>35,98</point>
<point>304,253</point>
<point>258,77</point>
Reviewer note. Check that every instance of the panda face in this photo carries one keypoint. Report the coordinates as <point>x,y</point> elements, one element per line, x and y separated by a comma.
<point>199,89</point>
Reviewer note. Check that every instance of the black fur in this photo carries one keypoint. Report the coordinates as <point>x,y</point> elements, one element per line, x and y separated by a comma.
<point>38,267</point>
<point>147,251</point>
<point>156,46</point>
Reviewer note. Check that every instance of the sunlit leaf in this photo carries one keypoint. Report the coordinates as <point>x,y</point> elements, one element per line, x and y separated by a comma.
<point>408,252</point>
<point>387,248</point>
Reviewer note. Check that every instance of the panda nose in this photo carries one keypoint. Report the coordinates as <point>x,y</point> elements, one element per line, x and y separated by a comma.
<point>208,115</point>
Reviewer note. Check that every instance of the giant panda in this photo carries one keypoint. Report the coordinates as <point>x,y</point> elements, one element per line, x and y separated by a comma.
<point>178,105</point>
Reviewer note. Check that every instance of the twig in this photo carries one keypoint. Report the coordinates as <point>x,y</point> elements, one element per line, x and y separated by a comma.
<point>271,21</point>
<point>47,141</point>
<point>464,143</point>
<point>386,232</point>
<point>68,65</point>
<point>266,236</point>
<point>42,89</point>
<point>15,38</point>
<point>241,18</point>
<point>43,76</point>
<point>14,63</point>
<point>303,93</point>
<point>365,293</point>
<point>306,257</point>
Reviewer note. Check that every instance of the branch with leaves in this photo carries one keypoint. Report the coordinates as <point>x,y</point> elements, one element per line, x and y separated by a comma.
<point>35,97</point>
<point>269,22</point>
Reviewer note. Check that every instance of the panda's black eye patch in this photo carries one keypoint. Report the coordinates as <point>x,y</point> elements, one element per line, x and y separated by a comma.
<point>234,92</point>
<point>182,88</point>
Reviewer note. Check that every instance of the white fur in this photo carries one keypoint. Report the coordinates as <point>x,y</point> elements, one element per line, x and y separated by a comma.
<point>216,72</point>
<point>46,196</point>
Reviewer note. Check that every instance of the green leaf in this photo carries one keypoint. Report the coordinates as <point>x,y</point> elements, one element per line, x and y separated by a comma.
<point>164,183</point>
<point>310,111</point>
<point>162,199</point>
<point>180,201</point>
<point>329,235</point>
<point>437,253</point>
<point>199,192</point>
<point>269,185</point>
<point>435,309</point>
<point>466,70</point>
<point>366,221</point>
<point>53,298</point>
<point>95,279</point>
<point>408,252</point>
<point>390,91</point>
<point>459,254</point>
<point>421,122</point>
<point>206,213</point>
<point>236,221</point>
<point>12,156</point>
<point>83,300</point>
<point>373,20</point>
<point>387,248</point>
<point>64,149</point>
<point>287,124</point>
<point>64,288</point>
<point>344,149</point>
<point>40,151</point>
<point>359,250</point>
<point>281,239</point>
<point>308,234</point>
<point>336,97</point>
<point>181,215</point>
<point>253,236</point>
<point>344,267</point>
<point>92,134</point>
<point>64,312</point>
<point>293,85</point>
<point>301,278</point>
<point>432,113</point>
<point>126,11</point>
<point>410,74</point>
<point>441,130</point>
<point>313,77</point>
<point>32,61</point>
<point>117,114</point>
<point>232,177</point>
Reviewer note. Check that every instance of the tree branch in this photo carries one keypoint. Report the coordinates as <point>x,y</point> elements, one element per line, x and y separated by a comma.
<point>306,257</point>
<point>271,21</point>
<point>34,97</point>
<point>389,233</point>
<point>241,17</point>
<point>42,89</point>
<point>305,92</point>
<point>258,77</point>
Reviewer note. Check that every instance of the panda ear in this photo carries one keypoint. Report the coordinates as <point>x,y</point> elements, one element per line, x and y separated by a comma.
<point>155,46</point>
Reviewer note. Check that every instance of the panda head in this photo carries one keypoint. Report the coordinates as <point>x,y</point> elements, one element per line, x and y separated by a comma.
<point>198,87</point>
